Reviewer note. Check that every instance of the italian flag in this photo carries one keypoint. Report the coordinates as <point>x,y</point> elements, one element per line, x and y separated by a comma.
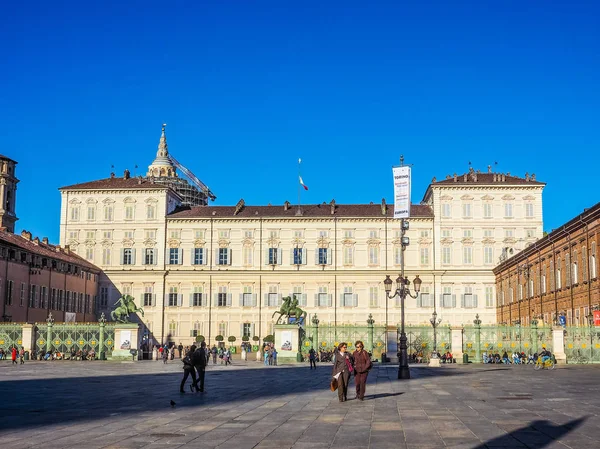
<point>302,183</point>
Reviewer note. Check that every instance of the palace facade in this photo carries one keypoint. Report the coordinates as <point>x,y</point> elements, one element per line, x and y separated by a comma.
<point>556,276</point>
<point>223,270</point>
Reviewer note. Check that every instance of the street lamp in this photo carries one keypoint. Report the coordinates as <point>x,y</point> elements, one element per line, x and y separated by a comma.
<point>402,290</point>
<point>435,322</point>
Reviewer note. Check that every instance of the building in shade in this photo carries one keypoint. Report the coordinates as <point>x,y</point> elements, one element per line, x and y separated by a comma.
<point>223,270</point>
<point>8,194</point>
<point>556,276</point>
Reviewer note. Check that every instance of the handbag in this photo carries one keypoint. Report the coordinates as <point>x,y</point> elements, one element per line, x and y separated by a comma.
<point>333,384</point>
<point>349,365</point>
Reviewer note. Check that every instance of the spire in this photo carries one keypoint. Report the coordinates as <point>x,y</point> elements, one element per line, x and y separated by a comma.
<point>162,165</point>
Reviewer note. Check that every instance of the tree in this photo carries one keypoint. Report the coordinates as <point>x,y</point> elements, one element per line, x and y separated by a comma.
<point>231,339</point>
<point>269,339</point>
<point>219,338</point>
<point>245,338</point>
<point>200,338</point>
<point>255,339</point>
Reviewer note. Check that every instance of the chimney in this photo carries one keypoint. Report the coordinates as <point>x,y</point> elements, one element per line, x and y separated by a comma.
<point>286,205</point>
<point>533,176</point>
<point>474,177</point>
<point>36,241</point>
<point>45,240</point>
<point>489,168</point>
<point>504,177</point>
<point>332,204</point>
<point>139,179</point>
<point>433,181</point>
<point>455,177</point>
<point>126,174</point>
<point>26,235</point>
<point>67,249</point>
<point>448,177</point>
<point>384,206</point>
<point>112,175</point>
<point>465,177</point>
<point>527,176</point>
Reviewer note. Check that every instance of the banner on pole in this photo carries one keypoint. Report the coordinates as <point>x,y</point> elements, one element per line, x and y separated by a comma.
<point>401,192</point>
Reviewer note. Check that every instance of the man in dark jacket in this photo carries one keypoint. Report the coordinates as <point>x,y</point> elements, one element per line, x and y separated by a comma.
<point>199,359</point>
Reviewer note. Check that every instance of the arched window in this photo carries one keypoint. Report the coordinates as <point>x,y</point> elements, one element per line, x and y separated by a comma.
<point>574,271</point>
<point>593,268</point>
<point>558,278</point>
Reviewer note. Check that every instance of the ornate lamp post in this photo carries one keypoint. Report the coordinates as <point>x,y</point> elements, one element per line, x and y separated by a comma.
<point>590,319</point>
<point>315,322</point>
<point>402,290</point>
<point>370,323</point>
<point>435,322</point>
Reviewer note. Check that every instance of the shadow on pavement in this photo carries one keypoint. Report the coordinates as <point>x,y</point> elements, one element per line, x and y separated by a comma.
<point>381,395</point>
<point>538,434</point>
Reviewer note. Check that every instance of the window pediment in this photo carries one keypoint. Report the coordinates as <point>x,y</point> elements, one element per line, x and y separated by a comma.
<point>151,201</point>
<point>128,243</point>
<point>91,201</point>
<point>508,197</point>
<point>446,241</point>
<point>223,243</point>
<point>129,200</point>
<point>446,198</point>
<point>487,197</point>
<point>466,198</point>
<point>529,198</point>
<point>108,201</point>
<point>173,243</point>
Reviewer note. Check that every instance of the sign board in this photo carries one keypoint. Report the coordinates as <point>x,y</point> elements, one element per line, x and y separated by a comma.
<point>562,320</point>
<point>596,317</point>
<point>401,192</point>
<point>286,341</point>
<point>125,340</point>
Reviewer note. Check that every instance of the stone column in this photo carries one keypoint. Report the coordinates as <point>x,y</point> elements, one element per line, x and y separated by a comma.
<point>27,337</point>
<point>558,343</point>
<point>457,343</point>
<point>477,323</point>
<point>370,323</point>
<point>101,353</point>
<point>50,321</point>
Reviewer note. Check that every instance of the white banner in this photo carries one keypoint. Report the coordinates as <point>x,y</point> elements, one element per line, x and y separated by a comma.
<point>125,339</point>
<point>401,192</point>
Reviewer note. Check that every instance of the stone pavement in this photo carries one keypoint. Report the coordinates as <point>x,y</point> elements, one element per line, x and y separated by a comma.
<point>126,405</point>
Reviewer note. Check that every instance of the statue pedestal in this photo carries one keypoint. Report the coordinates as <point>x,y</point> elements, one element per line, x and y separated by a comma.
<point>287,342</point>
<point>126,340</point>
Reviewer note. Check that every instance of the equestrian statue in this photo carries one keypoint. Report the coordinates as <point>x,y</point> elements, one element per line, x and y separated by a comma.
<point>125,306</point>
<point>290,309</point>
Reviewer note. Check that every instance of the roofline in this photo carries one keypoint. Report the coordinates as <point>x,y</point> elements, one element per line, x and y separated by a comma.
<point>275,217</point>
<point>585,217</point>
<point>482,184</point>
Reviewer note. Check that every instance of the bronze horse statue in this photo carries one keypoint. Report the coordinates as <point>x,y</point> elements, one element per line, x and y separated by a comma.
<point>289,308</point>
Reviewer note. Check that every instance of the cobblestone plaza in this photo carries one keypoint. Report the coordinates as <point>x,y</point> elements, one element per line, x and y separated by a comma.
<point>127,405</point>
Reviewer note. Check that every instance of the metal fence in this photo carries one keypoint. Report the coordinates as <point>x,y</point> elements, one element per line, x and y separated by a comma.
<point>10,335</point>
<point>69,337</point>
<point>325,338</point>
<point>582,344</point>
<point>419,340</point>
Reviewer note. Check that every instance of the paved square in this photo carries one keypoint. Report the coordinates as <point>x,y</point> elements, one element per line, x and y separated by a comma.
<point>126,405</point>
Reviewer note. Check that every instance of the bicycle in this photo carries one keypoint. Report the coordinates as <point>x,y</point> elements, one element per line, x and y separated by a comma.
<point>577,358</point>
<point>548,364</point>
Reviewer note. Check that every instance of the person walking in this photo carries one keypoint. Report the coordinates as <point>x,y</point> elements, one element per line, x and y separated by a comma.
<point>188,368</point>
<point>214,354</point>
<point>13,355</point>
<point>227,357</point>
<point>362,366</point>
<point>312,358</point>
<point>342,368</point>
<point>266,357</point>
<point>271,349</point>
<point>199,359</point>
<point>22,355</point>
<point>180,350</point>
<point>165,355</point>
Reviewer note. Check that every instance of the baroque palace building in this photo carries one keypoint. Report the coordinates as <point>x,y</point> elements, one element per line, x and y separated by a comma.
<point>556,276</point>
<point>223,270</point>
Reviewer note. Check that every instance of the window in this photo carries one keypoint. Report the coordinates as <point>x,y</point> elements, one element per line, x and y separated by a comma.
<point>425,299</point>
<point>91,213</point>
<point>107,235</point>
<point>323,234</point>
<point>489,296</point>
<point>249,234</point>
<point>197,296</point>
<point>509,233</point>
<point>322,258</point>
<point>198,256</point>
<point>149,256</point>
<point>487,210</point>
<point>543,281</point>
<point>246,330</point>
<point>348,234</point>
<point>148,295</point>
<point>32,296</point>
<point>127,256</point>
<point>448,299</point>
<point>298,294</point>
<point>552,278</point>
<point>175,234</point>
<point>222,329</point>
<point>488,233</point>
<point>468,255</point>
<point>174,256</point>
<point>574,269</point>
<point>446,210</point>
<point>106,256</point>
<point>558,275</point>
<point>397,255</point>
<point>150,211</point>
<point>322,297</point>
<point>508,210</point>
<point>53,299</point>
<point>446,233</point>
<point>173,328</point>
<point>568,269</point>
<point>273,234</point>
<point>222,297</point>
<point>593,261</point>
<point>9,293</point>
<point>446,255</point>
<point>22,295</point>
<point>90,235</point>
<point>246,299</point>
<point>347,299</point>
<point>173,296</point>
<point>223,256</point>
<point>424,256</point>
<point>520,292</point>
<point>469,300</point>
<point>274,258</point>
<point>108,213</point>
<point>584,262</point>
<point>128,235</point>
<point>272,296</point>
<point>68,301</point>
<point>466,210</point>
<point>488,255</point>
<point>73,235</point>
<point>199,234</point>
<point>424,233</point>
<point>530,291</point>
<point>529,210</point>
<point>74,213</point>
<point>297,256</point>
<point>224,233</point>
<point>373,296</point>
<point>348,252</point>
<point>467,233</point>
<point>247,255</point>
<point>530,233</point>
<point>129,212</point>
<point>150,234</point>
<point>298,234</point>
<point>373,255</point>
<point>373,234</point>
<point>89,253</point>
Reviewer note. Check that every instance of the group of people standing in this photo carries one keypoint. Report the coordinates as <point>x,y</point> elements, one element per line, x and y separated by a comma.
<point>14,355</point>
<point>345,364</point>
<point>270,355</point>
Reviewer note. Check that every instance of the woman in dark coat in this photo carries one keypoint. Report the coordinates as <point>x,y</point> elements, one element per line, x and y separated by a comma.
<point>362,365</point>
<point>342,366</point>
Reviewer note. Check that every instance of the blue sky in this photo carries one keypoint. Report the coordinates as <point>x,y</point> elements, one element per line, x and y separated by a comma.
<point>248,87</point>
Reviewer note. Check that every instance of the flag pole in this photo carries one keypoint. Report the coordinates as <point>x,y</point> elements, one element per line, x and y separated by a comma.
<point>299,187</point>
